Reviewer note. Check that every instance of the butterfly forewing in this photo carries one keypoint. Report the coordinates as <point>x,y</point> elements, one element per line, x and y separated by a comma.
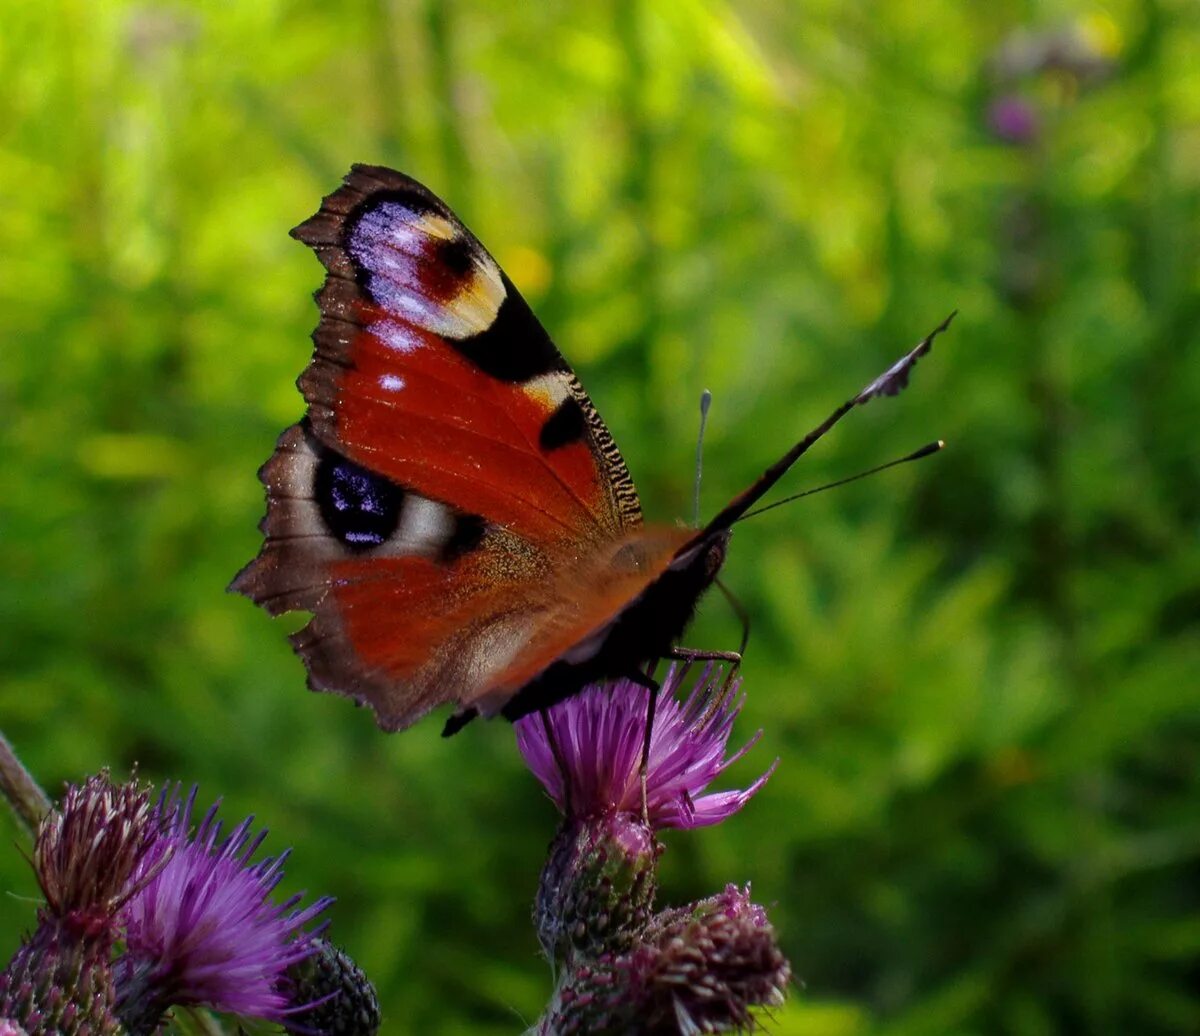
<point>431,370</point>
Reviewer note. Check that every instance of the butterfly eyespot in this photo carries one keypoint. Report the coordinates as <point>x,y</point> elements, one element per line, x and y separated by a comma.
<point>457,256</point>
<point>360,508</point>
<point>417,264</point>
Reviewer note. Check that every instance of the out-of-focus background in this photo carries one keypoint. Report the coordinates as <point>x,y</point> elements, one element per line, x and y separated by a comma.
<point>981,673</point>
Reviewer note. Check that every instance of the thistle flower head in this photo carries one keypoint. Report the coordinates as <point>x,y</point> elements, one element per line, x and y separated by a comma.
<point>86,851</point>
<point>60,982</point>
<point>599,735</point>
<point>202,929</point>
<point>711,963</point>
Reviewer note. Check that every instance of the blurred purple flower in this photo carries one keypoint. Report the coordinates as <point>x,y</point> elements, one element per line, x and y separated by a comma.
<point>600,732</point>
<point>202,929</point>
<point>1013,119</point>
<point>10,1028</point>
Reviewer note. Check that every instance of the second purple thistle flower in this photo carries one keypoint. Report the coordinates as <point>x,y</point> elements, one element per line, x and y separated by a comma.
<point>203,929</point>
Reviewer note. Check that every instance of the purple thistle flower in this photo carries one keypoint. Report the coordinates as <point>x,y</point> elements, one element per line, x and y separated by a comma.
<point>85,856</point>
<point>87,849</point>
<point>1013,120</point>
<point>10,1028</point>
<point>202,929</point>
<point>600,732</point>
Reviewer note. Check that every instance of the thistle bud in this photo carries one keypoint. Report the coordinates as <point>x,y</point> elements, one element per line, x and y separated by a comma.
<point>702,968</point>
<point>59,985</point>
<point>345,1001</point>
<point>597,886</point>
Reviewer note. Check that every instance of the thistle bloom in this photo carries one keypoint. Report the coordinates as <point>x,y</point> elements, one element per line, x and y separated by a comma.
<point>87,850</point>
<point>202,929</point>
<point>597,888</point>
<point>1013,120</point>
<point>600,732</point>
<point>85,854</point>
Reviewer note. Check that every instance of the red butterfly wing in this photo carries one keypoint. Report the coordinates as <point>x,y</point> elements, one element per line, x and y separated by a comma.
<point>450,470</point>
<point>431,370</point>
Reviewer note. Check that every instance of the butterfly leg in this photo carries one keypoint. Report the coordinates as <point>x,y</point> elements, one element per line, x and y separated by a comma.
<point>652,685</point>
<point>739,610</point>
<point>691,655</point>
<point>688,656</point>
<point>559,759</point>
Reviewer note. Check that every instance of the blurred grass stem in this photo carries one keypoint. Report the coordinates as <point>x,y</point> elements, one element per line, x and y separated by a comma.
<point>24,794</point>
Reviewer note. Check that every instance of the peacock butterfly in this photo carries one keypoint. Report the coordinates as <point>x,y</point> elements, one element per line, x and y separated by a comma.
<point>452,509</point>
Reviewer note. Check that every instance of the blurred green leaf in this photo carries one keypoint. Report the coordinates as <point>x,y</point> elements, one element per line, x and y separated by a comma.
<point>980,672</point>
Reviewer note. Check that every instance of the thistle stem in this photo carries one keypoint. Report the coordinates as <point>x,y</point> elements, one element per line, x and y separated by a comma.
<point>24,794</point>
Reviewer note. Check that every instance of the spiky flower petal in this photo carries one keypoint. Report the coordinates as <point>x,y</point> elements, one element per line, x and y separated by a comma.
<point>202,929</point>
<point>599,734</point>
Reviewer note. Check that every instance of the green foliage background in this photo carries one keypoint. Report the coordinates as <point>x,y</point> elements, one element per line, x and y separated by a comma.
<point>980,673</point>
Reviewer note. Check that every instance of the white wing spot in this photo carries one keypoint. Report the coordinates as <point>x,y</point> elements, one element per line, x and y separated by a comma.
<point>400,337</point>
<point>391,382</point>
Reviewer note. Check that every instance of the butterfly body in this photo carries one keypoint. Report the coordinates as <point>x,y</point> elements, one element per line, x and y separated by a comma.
<point>636,598</point>
<point>452,509</point>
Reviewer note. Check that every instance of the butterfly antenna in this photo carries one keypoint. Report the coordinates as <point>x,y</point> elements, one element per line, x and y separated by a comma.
<point>705,403</point>
<point>890,383</point>
<point>925,451</point>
